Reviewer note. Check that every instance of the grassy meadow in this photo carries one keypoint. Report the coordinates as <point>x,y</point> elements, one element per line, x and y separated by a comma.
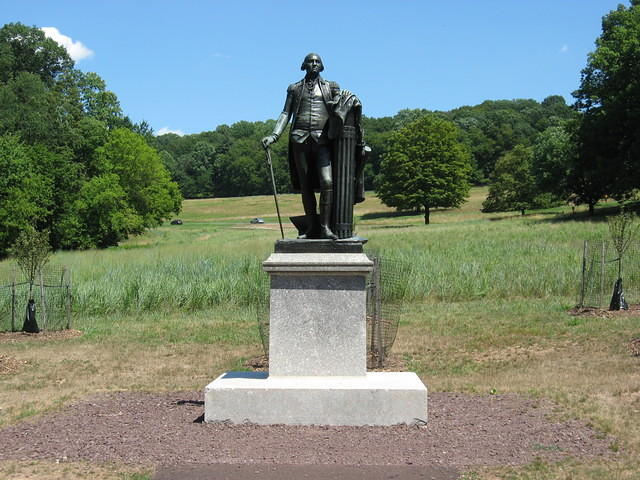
<point>486,300</point>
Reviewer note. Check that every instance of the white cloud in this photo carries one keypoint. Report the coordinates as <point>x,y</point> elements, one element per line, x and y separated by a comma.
<point>165,130</point>
<point>76,50</point>
<point>564,48</point>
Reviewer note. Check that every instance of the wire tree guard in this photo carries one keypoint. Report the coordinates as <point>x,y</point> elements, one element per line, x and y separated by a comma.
<point>386,290</point>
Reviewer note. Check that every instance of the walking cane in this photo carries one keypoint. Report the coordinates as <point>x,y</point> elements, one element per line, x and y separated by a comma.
<point>275,193</point>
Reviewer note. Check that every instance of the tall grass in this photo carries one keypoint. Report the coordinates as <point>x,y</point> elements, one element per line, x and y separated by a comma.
<point>181,282</point>
<point>477,259</point>
<point>462,255</point>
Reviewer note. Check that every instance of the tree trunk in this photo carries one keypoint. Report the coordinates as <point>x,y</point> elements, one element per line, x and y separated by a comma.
<point>522,212</point>
<point>426,214</point>
<point>591,209</point>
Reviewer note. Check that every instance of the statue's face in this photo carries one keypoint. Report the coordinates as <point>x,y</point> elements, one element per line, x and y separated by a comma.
<point>313,64</point>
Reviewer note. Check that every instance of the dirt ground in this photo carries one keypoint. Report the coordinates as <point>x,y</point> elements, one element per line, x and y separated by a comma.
<point>633,311</point>
<point>166,429</point>
<point>15,337</point>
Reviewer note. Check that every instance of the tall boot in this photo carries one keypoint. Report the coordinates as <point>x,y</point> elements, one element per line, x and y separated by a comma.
<point>326,201</point>
<point>309,204</point>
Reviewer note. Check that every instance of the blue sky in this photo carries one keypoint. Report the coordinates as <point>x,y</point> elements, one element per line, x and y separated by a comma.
<point>190,66</point>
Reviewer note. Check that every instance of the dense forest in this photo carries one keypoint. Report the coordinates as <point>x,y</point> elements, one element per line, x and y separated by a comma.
<point>230,161</point>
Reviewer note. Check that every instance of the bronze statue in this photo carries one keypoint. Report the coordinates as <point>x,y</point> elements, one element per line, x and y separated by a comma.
<point>325,132</point>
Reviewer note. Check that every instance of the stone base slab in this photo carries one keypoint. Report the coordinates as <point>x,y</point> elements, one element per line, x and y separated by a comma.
<point>377,398</point>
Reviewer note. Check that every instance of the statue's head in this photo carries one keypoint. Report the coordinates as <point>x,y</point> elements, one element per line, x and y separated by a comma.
<point>312,63</point>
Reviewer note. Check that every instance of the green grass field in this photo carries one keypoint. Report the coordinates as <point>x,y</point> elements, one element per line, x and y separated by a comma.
<point>214,257</point>
<point>486,303</point>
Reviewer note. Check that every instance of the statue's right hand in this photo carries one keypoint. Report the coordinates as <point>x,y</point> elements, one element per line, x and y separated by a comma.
<point>268,140</point>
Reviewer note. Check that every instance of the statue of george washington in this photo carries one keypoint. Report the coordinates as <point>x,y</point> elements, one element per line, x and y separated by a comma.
<point>326,150</point>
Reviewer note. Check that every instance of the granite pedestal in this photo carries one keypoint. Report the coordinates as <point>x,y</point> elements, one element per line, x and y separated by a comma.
<point>317,350</point>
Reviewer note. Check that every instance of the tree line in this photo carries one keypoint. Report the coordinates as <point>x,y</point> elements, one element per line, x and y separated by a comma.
<point>229,161</point>
<point>594,155</point>
<point>72,163</point>
<point>531,154</point>
<point>487,139</point>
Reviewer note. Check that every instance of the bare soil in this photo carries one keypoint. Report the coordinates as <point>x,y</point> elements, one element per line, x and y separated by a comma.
<point>15,337</point>
<point>167,429</point>
<point>633,311</point>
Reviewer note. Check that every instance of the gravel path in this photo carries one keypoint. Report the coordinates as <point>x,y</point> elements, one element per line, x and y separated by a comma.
<point>166,429</point>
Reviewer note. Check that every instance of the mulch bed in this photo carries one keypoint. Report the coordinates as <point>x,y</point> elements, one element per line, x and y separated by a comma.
<point>633,311</point>
<point>14,337</point>
<point>166,429</point>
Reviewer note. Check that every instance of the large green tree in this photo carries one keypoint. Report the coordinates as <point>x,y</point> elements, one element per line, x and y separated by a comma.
<point>141,175</point>
<point>425,167</point>
<point>66,163</point>
<point>86,94</point>
<point>25,194</point>
<point>609,98</point>
<point>552,156</point>
<point>513,184</point>
<point>100,215</point>
<point>194,171</point>
<point>30,109</point>
<point>27,49</point>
